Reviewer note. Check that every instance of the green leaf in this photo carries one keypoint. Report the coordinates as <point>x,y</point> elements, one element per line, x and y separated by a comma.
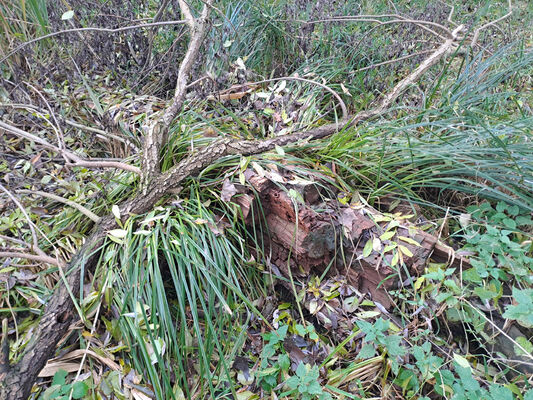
<point>405,250</point>
<point>284,362</point>
<point>387,235</point>
<point>367,250</point>
<point>509,223</point>
<point>367,351</point>
<point>301,370</point>
<point>409,240</point>
<point>59,377</point>
<point>293,382</point>
<point>525,344</point>
<point>53,392</point>
<point>79,390</point>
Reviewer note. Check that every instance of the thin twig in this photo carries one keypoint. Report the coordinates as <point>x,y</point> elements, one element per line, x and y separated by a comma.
<point>57,127</point>
<point>296,78</point>
<point>35,239</point>
<point>398,20</point>
<point>491,23</point>
<point>33,257</point>
<point>75,160</point>
<point>88,213</point>
<point>91,29</point>
<point>393,61</point>
<point>101,134</point>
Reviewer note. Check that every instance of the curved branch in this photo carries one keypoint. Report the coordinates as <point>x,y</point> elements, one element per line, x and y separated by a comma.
<point>75,160</point>
<point>491,23</point>
<point>157,133</point>
<point>88,213</point>
<point>296,78</point>
<point>108,30</point>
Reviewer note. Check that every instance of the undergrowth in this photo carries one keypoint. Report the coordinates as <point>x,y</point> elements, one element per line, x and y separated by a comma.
<point>184,303</point>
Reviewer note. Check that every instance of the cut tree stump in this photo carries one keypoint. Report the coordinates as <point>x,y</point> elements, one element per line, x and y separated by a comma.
<point>310,237</point>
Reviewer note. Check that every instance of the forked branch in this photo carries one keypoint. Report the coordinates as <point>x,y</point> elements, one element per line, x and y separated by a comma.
<point>16,380</point>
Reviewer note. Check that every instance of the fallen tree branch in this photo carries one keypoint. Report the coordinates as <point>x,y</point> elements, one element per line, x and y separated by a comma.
<point>75,160</point>
<point>33,257</point>
<point>17,380</point>
<point>157,133</point>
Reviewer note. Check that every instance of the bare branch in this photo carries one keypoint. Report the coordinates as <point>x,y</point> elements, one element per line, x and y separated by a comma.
<point>88,213</point>
<point>399,19</point>
<point>157,133</point>
<point>107,30</point>
<point>491,23</point>
<point>434,58</point>
<point>72,158</point>
<point>40,258</point>
<point>186,11</point>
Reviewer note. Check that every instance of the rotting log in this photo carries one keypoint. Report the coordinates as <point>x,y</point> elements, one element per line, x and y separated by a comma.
<point>308,238</point>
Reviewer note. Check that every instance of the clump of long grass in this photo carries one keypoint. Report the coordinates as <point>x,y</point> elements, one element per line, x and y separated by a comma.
<point>181,288</point>
<point>473,137</point>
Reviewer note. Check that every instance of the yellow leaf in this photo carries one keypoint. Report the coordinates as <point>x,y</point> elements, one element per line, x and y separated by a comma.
<point>419,282</point>
<point>368,248</point>
<point>405,250</point>
<point>387,235</point>
<point>409,240</point>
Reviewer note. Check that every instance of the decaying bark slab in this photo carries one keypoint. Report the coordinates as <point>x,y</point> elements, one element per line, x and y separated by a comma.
<point>310,237</point>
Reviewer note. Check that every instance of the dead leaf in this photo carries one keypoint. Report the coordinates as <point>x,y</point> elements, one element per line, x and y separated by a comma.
<point>228,191</point>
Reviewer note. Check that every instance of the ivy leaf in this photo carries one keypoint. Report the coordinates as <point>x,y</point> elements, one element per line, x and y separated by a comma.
<point>79,390</point>
<point>59,377</point>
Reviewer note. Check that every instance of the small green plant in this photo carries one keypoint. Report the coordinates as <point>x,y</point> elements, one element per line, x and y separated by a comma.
<point>306,384</point>
<point>376,335</point>
<point>271,365</point>
<point>523,310</point>
<point>61,390</point>
<point>500,246</point>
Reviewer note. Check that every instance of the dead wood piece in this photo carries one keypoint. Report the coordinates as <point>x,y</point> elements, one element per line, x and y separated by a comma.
<point>309,241</point>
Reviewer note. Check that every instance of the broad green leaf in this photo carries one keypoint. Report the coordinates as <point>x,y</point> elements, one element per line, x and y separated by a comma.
<point>387,235</point>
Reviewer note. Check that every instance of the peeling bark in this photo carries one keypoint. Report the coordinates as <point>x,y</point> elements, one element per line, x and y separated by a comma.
<point>308,241</point>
